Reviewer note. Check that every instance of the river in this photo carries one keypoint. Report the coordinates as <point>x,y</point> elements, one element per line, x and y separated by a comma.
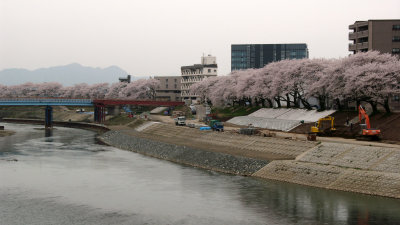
<point>66,177</point>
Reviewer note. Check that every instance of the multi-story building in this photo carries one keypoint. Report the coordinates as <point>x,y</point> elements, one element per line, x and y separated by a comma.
<point>169,89</point>
<point>196,73</point>
<point>245,56</point>
<point>379,35</point>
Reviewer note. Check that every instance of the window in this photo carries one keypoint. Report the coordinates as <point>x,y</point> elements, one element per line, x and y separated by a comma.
<point>166,80</point>
<point>215,70</point>
<point>396,27</point>
<point>396,39</point>
<point>396,51</point>
<point>209,70</point>
<point>175,80</point>
<point>176,86</point>
<point>166,86</point>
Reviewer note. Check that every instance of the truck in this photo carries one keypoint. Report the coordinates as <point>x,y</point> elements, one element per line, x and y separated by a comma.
<point>180,121</point>
<point>216,125</point>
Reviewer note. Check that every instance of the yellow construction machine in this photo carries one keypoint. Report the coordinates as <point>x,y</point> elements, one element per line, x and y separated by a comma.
<point>318,128</point>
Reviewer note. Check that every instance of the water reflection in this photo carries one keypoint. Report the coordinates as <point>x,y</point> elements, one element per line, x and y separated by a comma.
<point>309,204</point>
<point>48,132</point>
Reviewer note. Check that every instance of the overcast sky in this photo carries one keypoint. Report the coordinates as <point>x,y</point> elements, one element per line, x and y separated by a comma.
<point>157,37</point>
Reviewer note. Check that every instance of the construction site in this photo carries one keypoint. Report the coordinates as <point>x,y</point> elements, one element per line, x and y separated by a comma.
<point>278,148</point>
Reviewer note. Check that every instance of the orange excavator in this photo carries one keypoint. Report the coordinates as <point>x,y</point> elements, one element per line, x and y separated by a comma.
<point>366,129</point>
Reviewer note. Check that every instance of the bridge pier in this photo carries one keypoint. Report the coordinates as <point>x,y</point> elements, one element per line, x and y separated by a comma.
<point>114,110</point>
<point>99,113</point>
<point>48,122</point>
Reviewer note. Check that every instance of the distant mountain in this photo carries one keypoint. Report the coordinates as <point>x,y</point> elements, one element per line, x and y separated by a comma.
<point>66,75</point>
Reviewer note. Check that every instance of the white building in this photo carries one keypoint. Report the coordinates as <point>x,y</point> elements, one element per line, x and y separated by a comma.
<point>196,73</point>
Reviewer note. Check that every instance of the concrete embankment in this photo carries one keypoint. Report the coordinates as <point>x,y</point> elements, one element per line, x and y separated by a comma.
<point>345,167</point>
<point>224,152</point>
<point>185,155</point>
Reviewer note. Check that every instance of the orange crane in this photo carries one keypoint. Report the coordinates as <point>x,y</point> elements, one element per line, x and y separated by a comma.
<point>366,129</point>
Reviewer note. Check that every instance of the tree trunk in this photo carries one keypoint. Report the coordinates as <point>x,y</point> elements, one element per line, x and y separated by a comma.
<point>339,106</point>
<point>305,103</point>
<point>287,101</point>
<point>386,105</point>
<point>263,103</point>
<point>374,106</point>
<point>295,102</point>
<point>278,102</point>
<point>322,103</point>
<point>250,102</point>
<point>271,104</point>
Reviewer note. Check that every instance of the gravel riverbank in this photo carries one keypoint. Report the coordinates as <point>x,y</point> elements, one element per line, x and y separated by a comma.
<point>185,155</point>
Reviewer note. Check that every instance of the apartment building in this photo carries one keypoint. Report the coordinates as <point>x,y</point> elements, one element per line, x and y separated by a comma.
<point>169,89</point>
<point>379,35</point>
<point>245,56</point>
<point>196,73</point>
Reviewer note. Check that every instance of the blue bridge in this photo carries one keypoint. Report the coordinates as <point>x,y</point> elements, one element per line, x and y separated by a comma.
<point>46,102</point>
<point>99,105</point>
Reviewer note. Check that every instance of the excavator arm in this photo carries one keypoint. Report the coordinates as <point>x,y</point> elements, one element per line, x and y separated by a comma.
<point>362,114</point>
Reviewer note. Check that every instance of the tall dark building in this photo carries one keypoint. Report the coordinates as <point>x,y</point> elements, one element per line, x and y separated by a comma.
<point>258,55</point>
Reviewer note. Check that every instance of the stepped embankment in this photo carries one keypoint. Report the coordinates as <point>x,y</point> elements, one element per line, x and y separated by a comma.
<point>371,170</point>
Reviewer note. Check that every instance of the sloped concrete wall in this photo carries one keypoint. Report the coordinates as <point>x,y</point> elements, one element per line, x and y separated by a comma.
<point>333,177</point>
<point>346,167</point>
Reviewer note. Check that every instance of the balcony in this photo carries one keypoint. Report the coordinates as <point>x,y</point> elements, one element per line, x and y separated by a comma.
<point>362,34</point>
<point>352,36</point>
<point>363,45</point>
<point>352,47</point>
<point>355,35</point>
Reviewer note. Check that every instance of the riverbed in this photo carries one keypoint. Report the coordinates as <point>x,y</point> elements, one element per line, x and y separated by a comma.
<point>66,177</point>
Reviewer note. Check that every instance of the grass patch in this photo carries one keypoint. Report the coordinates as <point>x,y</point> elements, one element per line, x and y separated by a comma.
<point>30,112</point>
<point>229,112</point>
<point>118,120</point>
<point>136,123</point>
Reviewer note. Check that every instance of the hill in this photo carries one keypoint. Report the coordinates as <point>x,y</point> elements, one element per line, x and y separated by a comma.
<point>67,75</point>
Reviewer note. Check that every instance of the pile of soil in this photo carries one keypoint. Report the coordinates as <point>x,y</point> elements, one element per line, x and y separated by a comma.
<point>388,124</point>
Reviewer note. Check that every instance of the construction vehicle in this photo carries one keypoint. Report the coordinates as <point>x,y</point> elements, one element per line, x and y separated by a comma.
<point>180,121</point>
<point>318,128</point>
<point>366,130</point>
<point>216,125</point>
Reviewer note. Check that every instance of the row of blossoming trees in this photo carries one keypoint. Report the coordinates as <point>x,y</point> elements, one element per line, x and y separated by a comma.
<point>139,89</point>
<point>370,77</point>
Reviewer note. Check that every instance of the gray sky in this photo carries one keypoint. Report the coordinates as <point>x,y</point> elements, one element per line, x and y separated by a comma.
<point>157,37</point>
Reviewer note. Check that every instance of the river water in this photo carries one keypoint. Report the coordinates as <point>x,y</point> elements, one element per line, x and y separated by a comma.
<point>65,177</point>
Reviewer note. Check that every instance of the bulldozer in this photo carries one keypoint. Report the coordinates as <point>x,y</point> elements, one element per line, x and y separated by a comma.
<point>318,128</point>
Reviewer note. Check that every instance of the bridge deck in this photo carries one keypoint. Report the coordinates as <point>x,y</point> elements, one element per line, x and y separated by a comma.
<point>81,102</point>
<point>45,102</point>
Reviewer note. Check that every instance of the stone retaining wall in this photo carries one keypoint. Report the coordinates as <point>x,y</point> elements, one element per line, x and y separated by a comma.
<point>185,155</point>
<point>345,167</point>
